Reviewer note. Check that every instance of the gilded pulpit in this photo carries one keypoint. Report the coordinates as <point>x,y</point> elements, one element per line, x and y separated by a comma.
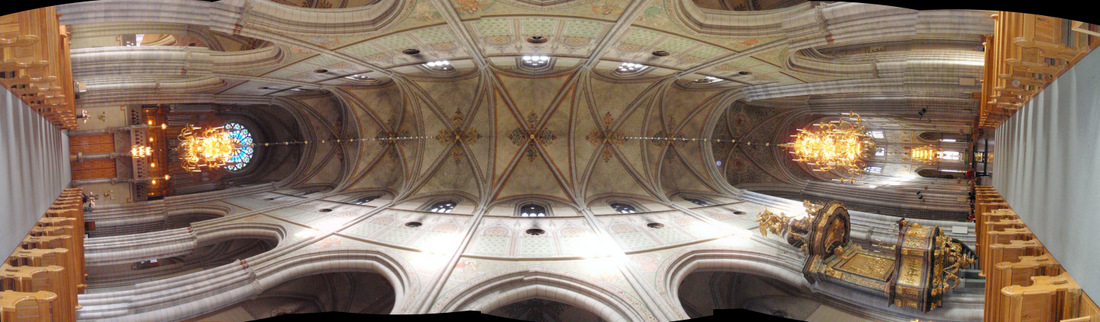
<point>924,264</point>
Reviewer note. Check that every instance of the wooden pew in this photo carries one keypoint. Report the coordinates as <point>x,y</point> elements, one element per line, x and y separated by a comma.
<point>51,279</point>
<point>47,271</point>
<point>1024,282</point>
<point>1019,272</point>
<point>28,306</point>
<point>1048,298</point>
<point>35,64</point>
<point>1024,54</point>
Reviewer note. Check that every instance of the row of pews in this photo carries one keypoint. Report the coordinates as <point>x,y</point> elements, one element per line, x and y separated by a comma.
<point>41,279</point>
<point>1023,281</point>
<point>35,64</point>
<point>1025,54</point>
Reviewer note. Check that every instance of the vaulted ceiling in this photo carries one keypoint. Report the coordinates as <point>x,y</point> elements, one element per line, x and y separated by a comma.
<point>492,129</point>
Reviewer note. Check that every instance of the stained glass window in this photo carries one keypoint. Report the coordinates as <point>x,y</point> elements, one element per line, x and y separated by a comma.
<point>240,159</point>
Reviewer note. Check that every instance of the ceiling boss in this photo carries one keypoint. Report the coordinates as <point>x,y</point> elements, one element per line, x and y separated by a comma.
<point>839,146</point>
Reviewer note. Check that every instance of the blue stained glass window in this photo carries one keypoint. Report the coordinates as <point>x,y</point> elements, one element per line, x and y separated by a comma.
<point>244,138</point>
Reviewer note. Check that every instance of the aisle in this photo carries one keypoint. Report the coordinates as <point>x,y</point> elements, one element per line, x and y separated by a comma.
<point>34,167</point>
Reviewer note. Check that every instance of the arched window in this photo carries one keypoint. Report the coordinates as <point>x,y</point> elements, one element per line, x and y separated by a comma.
<point>535,61</point>
<point>623,208</point>
<point>630,68</point>
<point>240,159</point>
<point>699,202</point>
<point>365,200</point>
<point>439,66</point>
<point>443,207</point>
<point>532,210</point>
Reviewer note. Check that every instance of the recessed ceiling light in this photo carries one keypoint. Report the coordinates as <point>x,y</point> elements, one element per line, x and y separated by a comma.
<point>411,51</point>
<point>660,53</point>
<point>321,71</point>
<point>536,39</point>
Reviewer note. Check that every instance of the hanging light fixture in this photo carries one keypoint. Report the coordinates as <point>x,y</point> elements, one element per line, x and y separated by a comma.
<point>211,147</point>
<point>839,145</point>
<point>929,154</point>
<point>140,151</point>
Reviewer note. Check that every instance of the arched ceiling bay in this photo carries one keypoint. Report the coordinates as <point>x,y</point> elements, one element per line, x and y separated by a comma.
<point>490,128</point>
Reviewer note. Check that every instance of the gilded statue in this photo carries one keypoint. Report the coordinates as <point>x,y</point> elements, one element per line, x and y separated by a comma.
<point>776,224</point>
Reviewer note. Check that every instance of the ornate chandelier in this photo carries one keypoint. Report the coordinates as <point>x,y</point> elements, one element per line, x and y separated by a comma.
<point>212,147</point>
<point>140,151</point>
<point>838,145</point>
<point>929,154</point>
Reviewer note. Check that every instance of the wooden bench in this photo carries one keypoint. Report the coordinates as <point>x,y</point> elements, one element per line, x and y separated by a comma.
<point>1024,54</point>
<point>1024,282</point>
<point>29,306</point>
<point>35,64</point>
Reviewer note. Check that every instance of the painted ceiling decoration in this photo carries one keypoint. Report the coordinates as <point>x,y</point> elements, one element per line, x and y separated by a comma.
<point>458,135</point>
<point>529,137</point>
<point>606,138</point>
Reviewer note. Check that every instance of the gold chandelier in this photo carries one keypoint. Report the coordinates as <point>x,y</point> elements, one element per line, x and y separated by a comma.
<point>140,151</point>
<point>211,148</point>
<point>838,145</point>
<point>929,154</point>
